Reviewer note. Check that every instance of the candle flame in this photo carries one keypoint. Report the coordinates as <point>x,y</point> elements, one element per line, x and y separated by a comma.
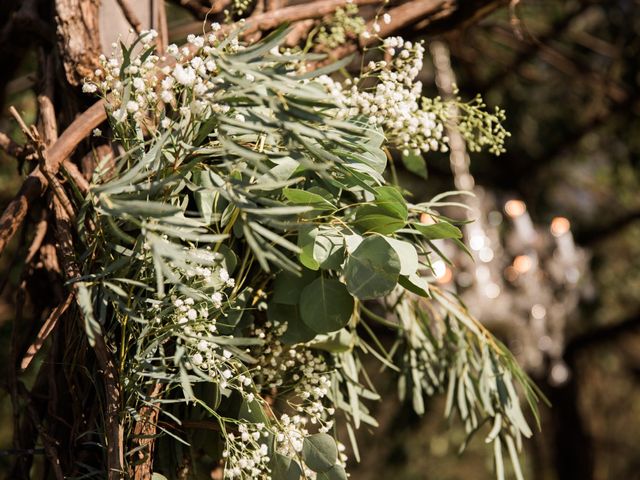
<point>515,208</point>
<point>522,263</point>
<point>559,226</point>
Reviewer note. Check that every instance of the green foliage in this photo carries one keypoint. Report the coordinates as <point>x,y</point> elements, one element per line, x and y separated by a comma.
<point>319,452</point>
<point>241,241</point>
<point>343,24</point>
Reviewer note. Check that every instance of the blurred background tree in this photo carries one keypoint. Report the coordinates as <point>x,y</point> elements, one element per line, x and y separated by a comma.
<point>566,72</point>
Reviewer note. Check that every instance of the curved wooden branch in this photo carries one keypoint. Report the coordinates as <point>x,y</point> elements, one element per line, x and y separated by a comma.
<point>36,183</point>
<point>421,16</point>
<point>130,15</point>
<point>272,19</point>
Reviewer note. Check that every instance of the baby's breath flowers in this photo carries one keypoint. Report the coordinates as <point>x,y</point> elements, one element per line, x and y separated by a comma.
<point>345,23</point>
<point>247,319</point>
<point>148,87</point>
<point>411,122</point>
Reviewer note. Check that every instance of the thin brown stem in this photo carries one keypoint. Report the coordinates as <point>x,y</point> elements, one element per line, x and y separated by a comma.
<point>145,429</point>
<point>114,427</point>
<point>47,327</point>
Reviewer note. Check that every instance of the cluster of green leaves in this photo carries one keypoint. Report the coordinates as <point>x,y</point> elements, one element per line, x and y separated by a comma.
<point>480,127</point>
<point>295,203</point>
<point>345,23</point>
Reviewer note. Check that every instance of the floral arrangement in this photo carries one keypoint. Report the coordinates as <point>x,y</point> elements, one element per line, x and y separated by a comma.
<point>246,250</point>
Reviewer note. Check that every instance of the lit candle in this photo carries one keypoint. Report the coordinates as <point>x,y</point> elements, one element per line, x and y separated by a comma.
<point>561,230</point>
<point>517,210</point>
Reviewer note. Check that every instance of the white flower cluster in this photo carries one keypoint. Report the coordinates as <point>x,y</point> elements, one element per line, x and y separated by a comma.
<point>345,23</point>
<point>394,103</point>
<point>195,320</point>
<point>184,80</point>
<point>247,454</point>
<point>299,369</point>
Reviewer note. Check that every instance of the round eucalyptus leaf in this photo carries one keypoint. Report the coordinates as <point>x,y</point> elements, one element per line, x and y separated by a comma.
<point>372,270</point>
<point>319,452</point>
<point>252,412</point>
<point>284,468</point>
<point>297,331</point>
<point>391,200</point>
<point>407,253</point>
<point>336,472</point>
<point>306,241</point>
<point>325,305</point>
<point>287,286</point>
<point>328,249</point>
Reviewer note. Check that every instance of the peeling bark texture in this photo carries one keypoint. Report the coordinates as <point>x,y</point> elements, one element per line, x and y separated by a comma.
<point>78,37</point>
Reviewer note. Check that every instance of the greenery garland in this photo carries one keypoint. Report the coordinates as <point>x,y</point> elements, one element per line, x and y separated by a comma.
<point>246,248</point>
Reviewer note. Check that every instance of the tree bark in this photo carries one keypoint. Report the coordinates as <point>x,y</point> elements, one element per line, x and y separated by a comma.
<point>77,29</point>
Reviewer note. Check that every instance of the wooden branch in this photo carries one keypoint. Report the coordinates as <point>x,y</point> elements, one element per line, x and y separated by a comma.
<point>76,176</point>
<point>273,5</point>
<point>130,15</point>
<point>406,15</point>
<point>113,428</point>
<point>47,119</point>
<point>420,15</point>
<point>145,429</point>
<point>257,10</point>
<point>272,19</point>
<point>160,15</point>
<point>299,31</point>
<point>47,327</point>
<point>12,148</point>
<point>78,39</point>
<point>36,183</point>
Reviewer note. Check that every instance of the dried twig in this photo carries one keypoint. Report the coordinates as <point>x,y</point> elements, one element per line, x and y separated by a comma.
<point>114,428</point>
<point>130,15</point>
<point>160,15</point>
<point>36,183</point>
<point>47,327</point>
<point>12,148</point>
<point>33,134</point>
<point>272,19</point>
<point>145,429</point>
<point>38,237</point>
